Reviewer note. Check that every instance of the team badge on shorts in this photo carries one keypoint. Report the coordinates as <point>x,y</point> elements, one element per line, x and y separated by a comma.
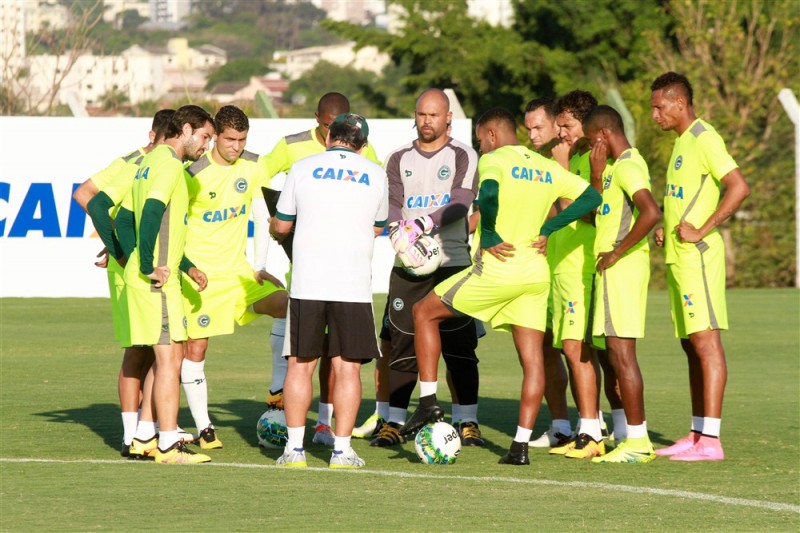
<point>444,172</point>
<point>398,304</point>
<point>240,185</point>
<point>185,323</point>
<point>203,321</point>
<point>165,327</point>
<point>678,162</point>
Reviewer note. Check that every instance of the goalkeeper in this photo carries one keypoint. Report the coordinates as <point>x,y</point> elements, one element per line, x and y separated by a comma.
<point>432,183</point>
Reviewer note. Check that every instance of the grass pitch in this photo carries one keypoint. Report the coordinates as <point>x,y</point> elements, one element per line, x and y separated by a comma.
<point>60,431</point>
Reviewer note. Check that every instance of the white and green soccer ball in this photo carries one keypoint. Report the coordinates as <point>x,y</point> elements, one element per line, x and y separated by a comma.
<point>271,429</point>
<point>438,444</point>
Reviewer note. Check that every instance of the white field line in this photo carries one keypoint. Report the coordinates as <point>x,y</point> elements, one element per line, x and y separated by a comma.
<point>684,494</point>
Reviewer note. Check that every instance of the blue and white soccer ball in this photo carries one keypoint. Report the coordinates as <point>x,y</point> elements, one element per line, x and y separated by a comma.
<point>423,257</point>
<point>271,429</point>
<point>438,444</point>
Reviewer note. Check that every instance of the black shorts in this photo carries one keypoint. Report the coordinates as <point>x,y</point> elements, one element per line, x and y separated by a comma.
<point>458,334</point>
<point>350,329</point>
<point>385,334</point>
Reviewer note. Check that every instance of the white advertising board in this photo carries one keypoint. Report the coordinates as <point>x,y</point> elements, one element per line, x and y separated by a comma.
<point>47,243</point>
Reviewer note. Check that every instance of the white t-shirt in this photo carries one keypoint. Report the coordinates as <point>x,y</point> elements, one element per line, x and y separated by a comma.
<point>335,199</point>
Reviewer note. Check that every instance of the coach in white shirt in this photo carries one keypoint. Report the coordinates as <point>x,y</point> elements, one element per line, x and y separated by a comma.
<point>337,202</point>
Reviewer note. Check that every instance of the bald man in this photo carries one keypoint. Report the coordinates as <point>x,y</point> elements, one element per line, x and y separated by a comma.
<point>695,256</point>
<point>432,184</point>
<point>509,283</point>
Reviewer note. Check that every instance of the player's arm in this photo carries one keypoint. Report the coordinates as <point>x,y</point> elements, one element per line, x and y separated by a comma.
<point>649,216</point>
<point>396,189</point>
<point>126,230</point>
<point>588,200</point>
<point>198,276</point>
<point>382,215</point>
<point>260,234</point>
<point>598,160</point>
<point>152,215</point>
<point>98,208</point>
<point>281,226</point>
<point>286,211</point>
<point>84,193</point>
<point>462,193</point>
<point>736,190</point>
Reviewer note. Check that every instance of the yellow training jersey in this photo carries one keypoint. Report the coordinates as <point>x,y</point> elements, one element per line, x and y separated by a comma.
<point>528,185</point>
<point>699,161</point>
<point>572,246</point>
<point>116,179</point>
<point>293,148</point>
<point>160,177</point>
<point>220,197</point>
<point>617,214</point>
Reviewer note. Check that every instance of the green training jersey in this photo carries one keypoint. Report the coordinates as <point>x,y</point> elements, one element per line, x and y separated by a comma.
<point>698,163</point>
<point>160,177</point>
<point>573,246</point>
<point>293,148</point>
<point>220,197</point>
<point>528,185</point>
<point>116,179</point>
<point>617,214</point>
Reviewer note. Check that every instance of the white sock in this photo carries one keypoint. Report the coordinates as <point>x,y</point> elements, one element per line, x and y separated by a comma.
<point>145,430</point>
<point>294,437</point>
<point>711,426</point>
<point>167,439</point>
<point>523,435</point>
<point>279,363</point>
<point>561,425</point>
<point>591,426</point>
<point>637,432</point>
<point>325,413</point>
<point>341,444</point>
<point>620,424</point>
<point>193,379</point>
<point>427,388</point>
<point>457,415</point>
<point>130,419</point>
<point>697,424</point>
<point>469,413</point>
<point>397,415</point>
<point>382,408</point>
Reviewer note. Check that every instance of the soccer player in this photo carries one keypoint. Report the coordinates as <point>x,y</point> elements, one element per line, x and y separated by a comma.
<point>695,256</point>
<point>432,183</point>
<point>287,152</point>
<point>509,282</point>
<point>222,185</point>
<point>540,121</point>
<point>628,213</point>
<point>572,260</point>
<point>338,297</point>
<point>153,284</point>
<point>101,196</point>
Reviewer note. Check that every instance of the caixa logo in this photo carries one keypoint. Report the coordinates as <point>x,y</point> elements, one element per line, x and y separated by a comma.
<point>39,212</point>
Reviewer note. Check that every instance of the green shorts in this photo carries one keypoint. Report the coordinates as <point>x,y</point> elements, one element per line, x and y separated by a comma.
<point>119,303</point>
<point>225,301</point>
<point>696,288</point>
<point>494,300</point>
<point>620,298</point>
<point>156,316</point>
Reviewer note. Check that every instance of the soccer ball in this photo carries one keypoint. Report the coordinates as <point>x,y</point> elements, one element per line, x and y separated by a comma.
<point>271,429</point>
<point>423,257</point>
<point>438,444</point>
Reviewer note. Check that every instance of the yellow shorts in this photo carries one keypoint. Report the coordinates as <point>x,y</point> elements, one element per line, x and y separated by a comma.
<point>225,301</point>
<point>156,316</point>
<point>119,303</point>
<point>620,298</point>
<point>696,287</point>
<point>493,299</point>
<point>572,297</point>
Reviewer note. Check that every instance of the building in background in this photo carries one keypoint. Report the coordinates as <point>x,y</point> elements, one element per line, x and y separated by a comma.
<point>294,63</point>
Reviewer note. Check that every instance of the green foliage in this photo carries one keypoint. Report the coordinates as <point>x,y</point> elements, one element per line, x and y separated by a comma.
<point>326,77</point>
<point>236,70</point>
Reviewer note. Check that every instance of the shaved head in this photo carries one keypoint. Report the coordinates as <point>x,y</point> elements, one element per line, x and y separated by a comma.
<point>603,117</point>
<point>333,104</point>
<point>434,95</point>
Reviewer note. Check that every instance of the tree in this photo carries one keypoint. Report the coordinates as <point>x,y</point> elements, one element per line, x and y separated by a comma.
<point>20,94</point>
<point>738,55</point>
<point>439,45</point>
<point>326,77</point>
<point>236,70</point>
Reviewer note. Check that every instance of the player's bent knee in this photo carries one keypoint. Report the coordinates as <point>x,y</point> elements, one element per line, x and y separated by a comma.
<point>273,305</point>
